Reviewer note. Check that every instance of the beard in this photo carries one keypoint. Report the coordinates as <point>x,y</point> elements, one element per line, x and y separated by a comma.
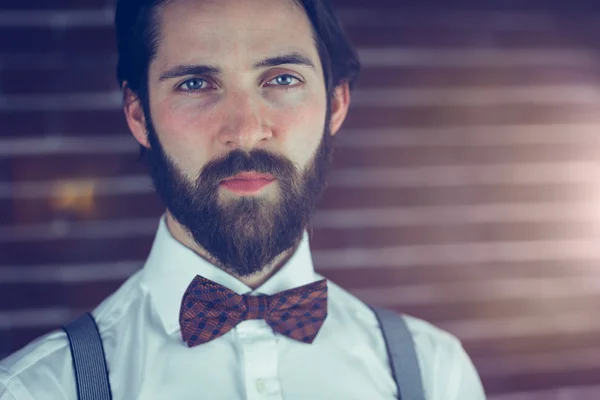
<point>244,234</point>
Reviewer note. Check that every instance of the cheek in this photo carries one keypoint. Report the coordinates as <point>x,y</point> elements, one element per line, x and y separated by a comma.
<point>302,128</point>
<point>184,131</point>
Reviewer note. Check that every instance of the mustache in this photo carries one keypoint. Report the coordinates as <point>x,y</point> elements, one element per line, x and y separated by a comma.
<point>237,161</point>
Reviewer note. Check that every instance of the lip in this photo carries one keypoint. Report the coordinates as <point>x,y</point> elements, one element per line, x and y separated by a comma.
<point>247,182</point>
<point>250,176</point>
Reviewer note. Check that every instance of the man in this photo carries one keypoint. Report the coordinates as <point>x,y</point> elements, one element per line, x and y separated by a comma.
<point>235,104</point>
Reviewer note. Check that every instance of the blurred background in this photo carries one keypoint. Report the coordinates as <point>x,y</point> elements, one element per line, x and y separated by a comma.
<point>466,189</point>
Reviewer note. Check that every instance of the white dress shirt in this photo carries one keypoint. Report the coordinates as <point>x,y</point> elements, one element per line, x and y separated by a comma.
<point>148,360</point>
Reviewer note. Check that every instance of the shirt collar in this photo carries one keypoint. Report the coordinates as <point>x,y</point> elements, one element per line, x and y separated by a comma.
<point>171,267</point>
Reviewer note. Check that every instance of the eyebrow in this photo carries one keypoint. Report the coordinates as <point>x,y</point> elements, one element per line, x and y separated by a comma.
<point>184,70</point>
<point>289,58</point>
<point>209,70</point>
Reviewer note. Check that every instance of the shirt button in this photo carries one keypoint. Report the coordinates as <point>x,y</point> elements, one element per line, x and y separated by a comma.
<point>261,386</point>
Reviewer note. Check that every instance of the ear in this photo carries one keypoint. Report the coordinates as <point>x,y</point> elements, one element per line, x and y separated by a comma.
<point>340,102</point>
<point>134,114</point>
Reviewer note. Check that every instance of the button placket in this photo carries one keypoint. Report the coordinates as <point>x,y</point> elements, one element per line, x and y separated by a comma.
<point>260,361</point>
<point>261,386</point>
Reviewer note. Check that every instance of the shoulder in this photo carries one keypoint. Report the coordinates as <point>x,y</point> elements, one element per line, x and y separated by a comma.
<point>446,368</point>
<point>41,364</point>
<point>427,337</point>
<point>44,367</point>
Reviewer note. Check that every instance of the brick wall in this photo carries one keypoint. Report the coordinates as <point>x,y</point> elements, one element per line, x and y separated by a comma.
<point>466,188</point>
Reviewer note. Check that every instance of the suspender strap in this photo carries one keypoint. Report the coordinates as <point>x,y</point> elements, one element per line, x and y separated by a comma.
<point>401,353</point>
<point>91,373</point>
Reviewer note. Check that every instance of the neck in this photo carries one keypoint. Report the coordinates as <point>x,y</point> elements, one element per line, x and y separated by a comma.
<point>253,281</point>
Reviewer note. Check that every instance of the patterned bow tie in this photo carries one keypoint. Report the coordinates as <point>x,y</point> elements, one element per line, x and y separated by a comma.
<point>209,310</point>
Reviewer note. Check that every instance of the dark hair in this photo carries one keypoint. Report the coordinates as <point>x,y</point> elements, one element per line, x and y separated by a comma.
<point>136,23</point>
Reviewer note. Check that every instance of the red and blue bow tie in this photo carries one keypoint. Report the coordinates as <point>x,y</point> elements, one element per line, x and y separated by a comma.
<point>210,310</point>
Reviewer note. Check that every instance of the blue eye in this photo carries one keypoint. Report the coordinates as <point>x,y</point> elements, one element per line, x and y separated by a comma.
<point>193,84</point>
<point>285,80</point>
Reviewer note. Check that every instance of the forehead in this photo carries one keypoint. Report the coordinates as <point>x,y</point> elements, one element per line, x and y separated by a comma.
<point>230,30</point>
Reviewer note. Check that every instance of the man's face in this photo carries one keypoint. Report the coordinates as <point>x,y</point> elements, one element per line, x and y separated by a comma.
<point>221,103</point>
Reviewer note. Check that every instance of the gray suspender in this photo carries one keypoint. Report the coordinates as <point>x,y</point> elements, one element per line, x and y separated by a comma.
<point>401,353</point>
<point>89,362</point>
<point>91,373</point>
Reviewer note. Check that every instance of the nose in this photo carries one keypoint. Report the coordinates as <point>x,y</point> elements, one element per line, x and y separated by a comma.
<point>244,125</point>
